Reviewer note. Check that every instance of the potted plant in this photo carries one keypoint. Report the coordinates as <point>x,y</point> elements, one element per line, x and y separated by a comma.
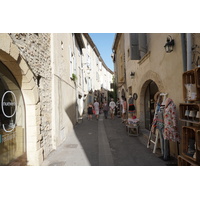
<point>74,77</point>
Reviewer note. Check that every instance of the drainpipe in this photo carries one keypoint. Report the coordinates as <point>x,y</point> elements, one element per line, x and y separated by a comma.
<point>189,58</point>
<point>184,53</point>
<point>189,51</point>
<point>75,86</point>
<point>53,101</point>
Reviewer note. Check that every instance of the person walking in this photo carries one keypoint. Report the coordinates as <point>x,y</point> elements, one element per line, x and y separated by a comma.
<point>105,109</point>
<point>118,108</point>
<point>112,106</point>
<point>96,108</point>
<point>90,111</point>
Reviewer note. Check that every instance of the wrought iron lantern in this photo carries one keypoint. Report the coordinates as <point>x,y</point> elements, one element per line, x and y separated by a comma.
<point>169,45</point>
<point>132,74</point>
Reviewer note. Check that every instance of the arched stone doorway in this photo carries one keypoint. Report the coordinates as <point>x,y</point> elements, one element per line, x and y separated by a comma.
<point>17,67</point>
<point>148,91</point>
<point>149,103</point>
<point>123,92</point>
<point>149,87</point>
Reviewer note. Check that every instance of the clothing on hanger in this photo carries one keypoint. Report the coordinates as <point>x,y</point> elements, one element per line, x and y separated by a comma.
<point>170,122</point>
<point>131,108</point>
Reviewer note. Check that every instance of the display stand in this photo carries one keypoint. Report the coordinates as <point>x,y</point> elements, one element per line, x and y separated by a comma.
<point>154,142</point>
<point>151,134</point>
<point>189,115</point>
<point>132,127</point>
<point>182,161</point>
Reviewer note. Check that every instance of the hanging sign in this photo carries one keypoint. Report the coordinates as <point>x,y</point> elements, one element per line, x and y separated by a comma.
<point>135,96</point>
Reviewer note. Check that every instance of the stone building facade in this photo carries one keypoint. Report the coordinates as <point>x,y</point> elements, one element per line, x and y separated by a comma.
<point>143,67</point>
<point>35,49</point>
<point>98,77</point>
<point>42,92</point>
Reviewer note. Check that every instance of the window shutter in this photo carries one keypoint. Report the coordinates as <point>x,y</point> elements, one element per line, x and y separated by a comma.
<point>134,43</point>
<point>71,62</point>
<point>88,61</point>
<point>100,65</point>
<point>143,42</point>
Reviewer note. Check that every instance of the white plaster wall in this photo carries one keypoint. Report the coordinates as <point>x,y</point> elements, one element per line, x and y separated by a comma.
<point>64,90</point>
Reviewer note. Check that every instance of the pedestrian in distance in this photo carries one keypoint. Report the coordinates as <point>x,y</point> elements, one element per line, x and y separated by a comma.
<point>90,111</point>
<point>96,108</point>
<point>112,106</point>
<point>118,108</point>
<point>105,109</point>
<point>100,107</point>
<point>124,108</point>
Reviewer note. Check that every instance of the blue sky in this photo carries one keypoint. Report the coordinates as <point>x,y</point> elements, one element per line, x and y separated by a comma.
<point>104,43</point>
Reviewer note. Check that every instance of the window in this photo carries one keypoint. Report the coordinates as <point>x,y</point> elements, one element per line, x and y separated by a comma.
<point>62,45</point>
<point>97,76</point>
<point>134,46</point>
<point>142,44</point>
<point>89,84</point>
<point>130,90</point>
<point>80,76</point>
<point>88,47</point>
<point>88,61</point>
<point>138,45</point>
<point>71,61</point>
<point>121,75</point>
<point>12,118</point>
<point>100,65</point>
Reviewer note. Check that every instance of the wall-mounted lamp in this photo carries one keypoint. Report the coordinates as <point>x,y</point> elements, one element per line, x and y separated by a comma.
<point>169,45</point>
<point>91,91</point>
<point>132,74</point>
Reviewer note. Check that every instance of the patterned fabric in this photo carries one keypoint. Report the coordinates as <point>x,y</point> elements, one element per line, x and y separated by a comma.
<point>160,120</point>
<point>155,118</point>
<point>170,122</point>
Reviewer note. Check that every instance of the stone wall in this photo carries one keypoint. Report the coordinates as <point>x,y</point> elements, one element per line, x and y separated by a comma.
<point>35,49</point>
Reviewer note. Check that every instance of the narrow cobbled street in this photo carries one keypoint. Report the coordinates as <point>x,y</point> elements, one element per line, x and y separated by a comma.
<point>103,142</point>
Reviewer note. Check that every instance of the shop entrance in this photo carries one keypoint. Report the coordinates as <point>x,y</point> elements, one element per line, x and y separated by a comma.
<point>12,118</point>
<point>149,103</point>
